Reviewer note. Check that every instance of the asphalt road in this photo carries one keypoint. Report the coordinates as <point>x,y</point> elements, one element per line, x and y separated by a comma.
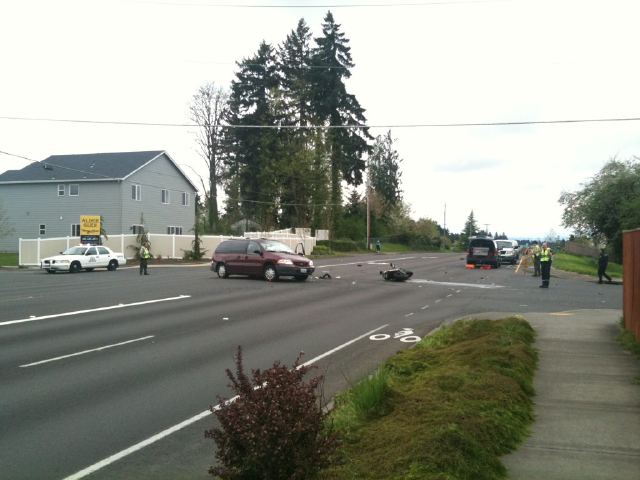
<point>98,371</point>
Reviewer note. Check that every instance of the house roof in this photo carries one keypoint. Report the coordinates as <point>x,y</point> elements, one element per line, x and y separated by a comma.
<point>85,167</point>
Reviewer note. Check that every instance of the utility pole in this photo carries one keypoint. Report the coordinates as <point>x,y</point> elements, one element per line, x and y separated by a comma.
<point>486,228</point>
<point>444,226</point>
<point>368,212</point>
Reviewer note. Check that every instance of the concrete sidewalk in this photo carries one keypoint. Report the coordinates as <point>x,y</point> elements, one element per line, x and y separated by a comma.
<point>587,402</point>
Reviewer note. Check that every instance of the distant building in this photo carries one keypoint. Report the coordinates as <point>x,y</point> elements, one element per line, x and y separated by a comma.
<point>130,190</point>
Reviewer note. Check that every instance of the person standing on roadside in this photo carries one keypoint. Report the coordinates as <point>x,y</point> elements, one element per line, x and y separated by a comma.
<point>545,264</point>
<point>603,261</point>
<point>535,253</point>
<point>378,246</point>
<point>145,255</point>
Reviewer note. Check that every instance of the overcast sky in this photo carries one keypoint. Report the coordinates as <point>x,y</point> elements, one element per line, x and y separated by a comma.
<point>417,63</point>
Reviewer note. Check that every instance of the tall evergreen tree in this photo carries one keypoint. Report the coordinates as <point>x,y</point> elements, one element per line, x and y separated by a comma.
<point>255,152</point>
<point>293,60</point>
<point>334,106</point>
<point>470,229</point>
<point>294,64</point>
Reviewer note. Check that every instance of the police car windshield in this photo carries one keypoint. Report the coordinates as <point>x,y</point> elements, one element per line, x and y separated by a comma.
<point>75,251</point>
<point>274,246</point>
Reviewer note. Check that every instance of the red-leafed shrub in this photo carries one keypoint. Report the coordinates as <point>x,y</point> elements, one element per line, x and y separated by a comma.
<point>274,428</point>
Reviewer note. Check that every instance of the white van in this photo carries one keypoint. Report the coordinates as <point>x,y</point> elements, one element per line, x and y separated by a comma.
<point>507,251</point>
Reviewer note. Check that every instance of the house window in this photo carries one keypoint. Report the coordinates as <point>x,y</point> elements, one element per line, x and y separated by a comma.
<point>136,192</point>
<point>185,199</point>
<point>174,230</point>
<point>137,229</point>
<point>165,196</point>
<point>43,229</point>
<point>75,229</point>
<point>61,190</point>
<point>74,189</point>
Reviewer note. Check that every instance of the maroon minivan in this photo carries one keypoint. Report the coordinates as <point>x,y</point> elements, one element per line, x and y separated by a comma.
<point>265,258</point>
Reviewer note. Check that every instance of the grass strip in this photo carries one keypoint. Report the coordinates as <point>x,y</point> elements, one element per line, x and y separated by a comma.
<point>446,409</point>
<point>8,259</point>
<point>584,265</point>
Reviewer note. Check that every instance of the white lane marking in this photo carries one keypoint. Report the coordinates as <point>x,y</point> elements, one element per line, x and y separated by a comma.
<point>165,433</point>
<point>372,262</point>
<point>379,336</point>
<point>100,309</point>
<point>424,308</point>
<point>450,295</point>
<point>410,339</point>
<point>340,347</point>
<point>408,314</point>
<point>438,300</point>
<point>87,351</point>
<point>428,258</point>
<point>474,285</point>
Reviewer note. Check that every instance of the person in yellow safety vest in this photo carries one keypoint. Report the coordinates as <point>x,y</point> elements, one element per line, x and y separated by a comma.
<point>545,264</point>
<point>535,253</point>
<point>145,255</point>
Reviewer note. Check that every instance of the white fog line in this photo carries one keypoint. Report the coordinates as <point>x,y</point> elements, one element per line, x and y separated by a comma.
<point>86,351</point>
<point>424,308</point>
<point>100,309</point>
<point>474,285</point>
<point>165,433</point>
<point>408,314</point>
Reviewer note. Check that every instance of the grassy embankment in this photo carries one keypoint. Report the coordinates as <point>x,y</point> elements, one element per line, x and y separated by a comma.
<point>8,259</point>
<point>446,409</point>
<point>584,265</point>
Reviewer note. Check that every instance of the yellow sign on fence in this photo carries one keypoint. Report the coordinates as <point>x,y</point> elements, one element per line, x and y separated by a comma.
<point>89,225</point>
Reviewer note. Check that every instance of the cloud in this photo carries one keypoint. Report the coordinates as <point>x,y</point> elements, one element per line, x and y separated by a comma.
<point>468,165</point>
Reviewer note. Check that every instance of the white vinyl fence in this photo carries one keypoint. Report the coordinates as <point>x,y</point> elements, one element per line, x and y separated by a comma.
<point>32,250</point>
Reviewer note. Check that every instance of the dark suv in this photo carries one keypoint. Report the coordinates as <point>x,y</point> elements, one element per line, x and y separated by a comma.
<point>269,259</point>
<point>483,251</point>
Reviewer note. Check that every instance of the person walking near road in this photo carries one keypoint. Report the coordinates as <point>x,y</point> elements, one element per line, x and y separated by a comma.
<point>145,255</point>
<point>545,264</point>
<point>603,261</point>
<point>535,253</point>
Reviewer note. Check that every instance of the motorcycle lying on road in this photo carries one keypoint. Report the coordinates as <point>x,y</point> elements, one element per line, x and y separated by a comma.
<point>395,274</point>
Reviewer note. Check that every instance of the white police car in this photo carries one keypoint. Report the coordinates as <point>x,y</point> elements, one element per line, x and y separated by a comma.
<point>83,257</point>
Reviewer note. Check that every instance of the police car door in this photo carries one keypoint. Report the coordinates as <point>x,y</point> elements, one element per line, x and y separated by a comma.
<point>90,258</point>
<point>103,256</point>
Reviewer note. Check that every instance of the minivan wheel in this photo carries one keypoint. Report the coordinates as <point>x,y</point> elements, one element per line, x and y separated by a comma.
<point>270,273</point>
<point>222,270</point>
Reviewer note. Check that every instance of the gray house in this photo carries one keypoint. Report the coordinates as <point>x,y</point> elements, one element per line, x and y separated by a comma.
<point>130,190</point>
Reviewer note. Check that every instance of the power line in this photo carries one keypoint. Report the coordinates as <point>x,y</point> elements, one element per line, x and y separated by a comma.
<point>326,5</point>
<point>330,127</point>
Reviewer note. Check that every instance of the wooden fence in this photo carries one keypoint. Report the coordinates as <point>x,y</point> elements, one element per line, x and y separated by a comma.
<point>631,281</point>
